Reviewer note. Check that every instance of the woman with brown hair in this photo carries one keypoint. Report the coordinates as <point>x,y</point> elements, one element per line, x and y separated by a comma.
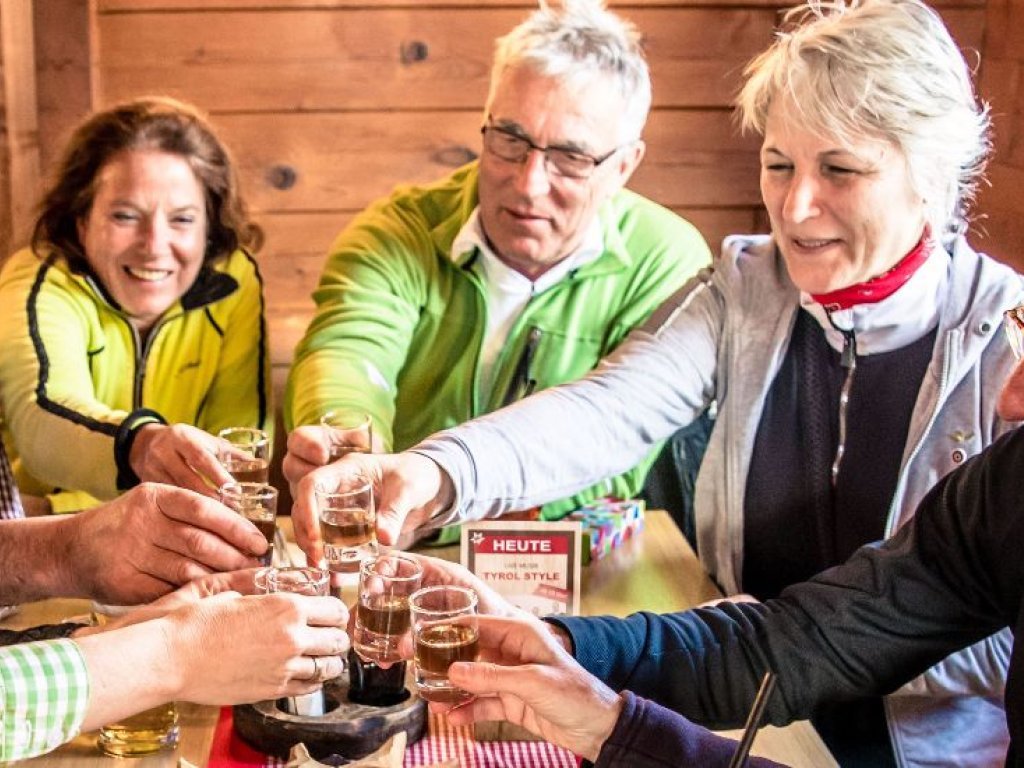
<point>135,324</point>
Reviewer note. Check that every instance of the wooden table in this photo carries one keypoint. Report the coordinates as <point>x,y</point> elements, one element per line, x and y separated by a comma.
<point>655,571</point>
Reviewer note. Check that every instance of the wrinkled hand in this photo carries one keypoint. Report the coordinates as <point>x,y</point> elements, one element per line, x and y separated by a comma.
<point>408,489</point>
<point>526,677</point>
<point>181,455</point>
<point>231,649</point>
<point>1011,398</point>
<point>152,539</point>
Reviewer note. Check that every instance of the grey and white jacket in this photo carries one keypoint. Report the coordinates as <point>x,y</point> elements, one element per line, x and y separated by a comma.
<point>721,339</point>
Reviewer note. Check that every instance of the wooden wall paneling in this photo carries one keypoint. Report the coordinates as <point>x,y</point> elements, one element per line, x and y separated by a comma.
<point>297,243</point>
<point>999,225</point>
<point>20,136</point>
<point>235,61</point>
<point>64,35</point>
<point>344,160</point>
<point>625,6</point>
<point>999,230</point>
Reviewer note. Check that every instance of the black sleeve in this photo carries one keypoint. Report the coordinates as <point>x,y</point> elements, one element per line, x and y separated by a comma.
<point>42,632</point>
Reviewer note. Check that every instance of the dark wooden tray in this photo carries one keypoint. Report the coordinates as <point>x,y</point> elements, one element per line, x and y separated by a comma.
<point>347,730</point>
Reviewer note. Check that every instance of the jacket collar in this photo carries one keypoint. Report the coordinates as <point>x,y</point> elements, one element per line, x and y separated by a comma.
<point>210,286</point>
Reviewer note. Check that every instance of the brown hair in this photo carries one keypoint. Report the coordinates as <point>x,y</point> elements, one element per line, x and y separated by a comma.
<point>151,123</point>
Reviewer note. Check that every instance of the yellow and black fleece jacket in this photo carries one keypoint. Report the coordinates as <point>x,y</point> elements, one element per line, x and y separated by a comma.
<point>77,383</point>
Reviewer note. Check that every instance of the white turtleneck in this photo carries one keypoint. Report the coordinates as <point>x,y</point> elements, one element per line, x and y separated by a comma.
<point>897,320</point>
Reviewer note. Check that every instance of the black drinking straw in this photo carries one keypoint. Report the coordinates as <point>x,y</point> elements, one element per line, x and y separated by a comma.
<point>739,759</point>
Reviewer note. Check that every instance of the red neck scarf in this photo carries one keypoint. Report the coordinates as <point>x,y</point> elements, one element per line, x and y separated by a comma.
<point>878,288</point>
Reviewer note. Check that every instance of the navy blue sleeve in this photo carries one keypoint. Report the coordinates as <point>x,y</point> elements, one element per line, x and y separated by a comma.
<point>647,735</point>
<point>951,577</point>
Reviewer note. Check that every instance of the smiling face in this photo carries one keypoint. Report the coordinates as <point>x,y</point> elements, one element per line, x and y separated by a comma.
<point>841,213</point>
<point>533,217</point>
<point>145,235</point>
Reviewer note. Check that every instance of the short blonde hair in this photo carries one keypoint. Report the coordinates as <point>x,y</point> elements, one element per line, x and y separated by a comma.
<point>574,44</point>
<point>883,69</point>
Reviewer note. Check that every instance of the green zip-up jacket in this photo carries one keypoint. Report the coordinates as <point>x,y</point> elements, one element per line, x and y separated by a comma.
<point>400,319</point>
<point>76,384</point>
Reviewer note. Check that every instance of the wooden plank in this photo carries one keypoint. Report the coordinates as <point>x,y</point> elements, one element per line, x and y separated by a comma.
<point>64,36</point>
<point>999,230</point>
<point>1002,86</point>
<point>297,244</point>
<point>626,6</point>
<point>21,137</point>
<point>323,59</point>
<point>1014,32</point>
<point>326,60</point>
<point>344,161</point>
<point>310,233</point>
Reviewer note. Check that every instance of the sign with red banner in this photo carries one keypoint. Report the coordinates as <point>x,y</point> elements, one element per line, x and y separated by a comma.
<point>533,565</point>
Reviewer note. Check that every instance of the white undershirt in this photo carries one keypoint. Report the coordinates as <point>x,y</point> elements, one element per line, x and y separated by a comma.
<point>507,292</point>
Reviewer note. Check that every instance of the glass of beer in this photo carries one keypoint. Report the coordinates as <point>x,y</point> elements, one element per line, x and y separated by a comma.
<point>256,502</point>
<point>347,433</point>
<point>382,612</point>
<point>245,454</point>
<point>142,734</point>
<point>348,522</point>
<point>444,630</point>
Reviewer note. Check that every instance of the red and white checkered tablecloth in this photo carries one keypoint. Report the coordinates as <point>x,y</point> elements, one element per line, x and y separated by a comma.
<point>442,742</point>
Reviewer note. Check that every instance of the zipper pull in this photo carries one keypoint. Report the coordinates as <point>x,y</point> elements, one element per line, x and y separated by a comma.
<point>848,357</point>
<point>521,384</point>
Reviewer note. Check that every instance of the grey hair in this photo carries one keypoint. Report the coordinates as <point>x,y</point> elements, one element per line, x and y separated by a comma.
<point>575,44</point>
<point>884,69</point>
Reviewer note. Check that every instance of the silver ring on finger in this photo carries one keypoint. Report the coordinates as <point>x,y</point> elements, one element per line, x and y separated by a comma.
<point>317,675</point>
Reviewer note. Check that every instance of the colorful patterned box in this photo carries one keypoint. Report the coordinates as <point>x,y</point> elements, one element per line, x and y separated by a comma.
<point>607,523</point>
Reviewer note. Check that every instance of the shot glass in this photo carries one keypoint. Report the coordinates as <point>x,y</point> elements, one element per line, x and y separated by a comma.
<point>348,523</point>
<point>382,611</point>
<point>259,580</point>
<point>1013,323</point>
<point>245,454</point>
<point>347,433</point>
<point>299,580</point>
<point>256,502</point>
<point>147,732</point>
<point>445,629</point>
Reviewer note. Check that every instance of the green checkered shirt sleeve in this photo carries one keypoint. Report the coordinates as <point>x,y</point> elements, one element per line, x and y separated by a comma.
<point>44,689</point>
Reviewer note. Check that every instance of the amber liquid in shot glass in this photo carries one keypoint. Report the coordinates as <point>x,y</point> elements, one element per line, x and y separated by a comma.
<point>445,630</point>
<point>257,503</point>
<point>347,527</point>
<point>382,609</point>
<point>245,454</point>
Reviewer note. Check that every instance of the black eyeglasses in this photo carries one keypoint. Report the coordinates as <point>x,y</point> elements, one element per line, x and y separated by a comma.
<point>514,148</point>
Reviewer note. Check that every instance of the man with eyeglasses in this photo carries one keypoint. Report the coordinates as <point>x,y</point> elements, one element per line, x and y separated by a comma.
<point>517,272</point>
